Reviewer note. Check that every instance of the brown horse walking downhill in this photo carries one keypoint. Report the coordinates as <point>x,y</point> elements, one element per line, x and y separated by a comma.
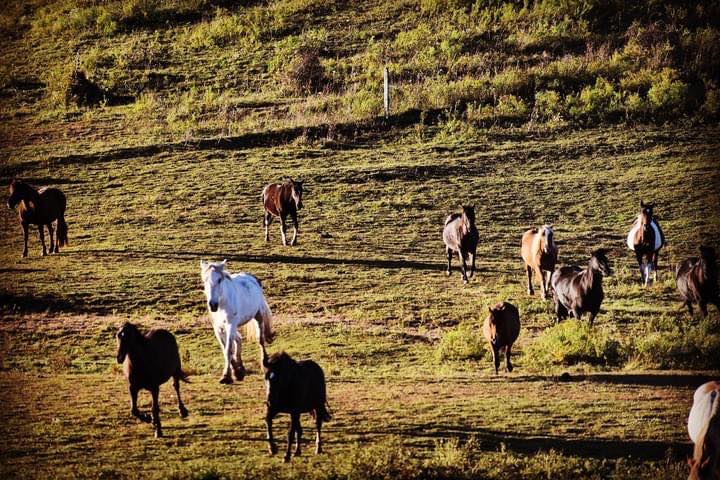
<point>501,329</point>
<point>461,236</point>
<point>281,200</point>
<point>697,280</point>
<point>148,362</point>
<point>42,208</point>
<point>540,253</point>
<point>578,290</point>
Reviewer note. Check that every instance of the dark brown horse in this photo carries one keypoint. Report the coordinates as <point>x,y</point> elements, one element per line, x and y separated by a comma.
<point>148,362</point>
<point>577,290</point>
<point>294,388</point>
<point>281,200</point>
<point>461,236</point>
<point>539,252</point>
<point>646,238</point>
<point>697,280</point>
<point>40,207</point>
<point>501,329</point>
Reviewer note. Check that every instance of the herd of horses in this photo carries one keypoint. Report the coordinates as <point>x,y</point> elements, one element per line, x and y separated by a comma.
<point>296,387</point>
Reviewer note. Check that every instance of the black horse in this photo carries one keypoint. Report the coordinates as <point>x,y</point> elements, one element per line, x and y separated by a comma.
<point>577,290</point>
<point>697,280</point>
<point>148,362</point>
<point>294,388</point>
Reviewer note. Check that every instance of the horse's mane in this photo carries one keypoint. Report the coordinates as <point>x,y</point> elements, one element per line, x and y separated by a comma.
<point>700,452</point>
<point>281,358</point>
<point>452,217</point>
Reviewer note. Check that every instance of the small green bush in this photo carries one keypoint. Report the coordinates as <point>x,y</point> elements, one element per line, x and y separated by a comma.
<point>548,105</point>
<point>511,106</point>
<point>463,342</point>
<point>599,101</point>
<point>572,342</point>
<point>695,347</point>
<point>668,94</point>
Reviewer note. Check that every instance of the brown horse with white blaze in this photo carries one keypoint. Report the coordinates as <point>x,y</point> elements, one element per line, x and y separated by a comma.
<point>40,207</point>
<point>540,253</point>
<point>281,200</point>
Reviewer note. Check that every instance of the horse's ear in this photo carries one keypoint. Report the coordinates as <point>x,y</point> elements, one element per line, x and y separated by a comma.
<point>203,265</point>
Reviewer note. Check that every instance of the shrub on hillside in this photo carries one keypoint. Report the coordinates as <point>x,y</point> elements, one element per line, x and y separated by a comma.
<point>668,93</point>
<point>572,342</point>
<point>681,347</point>
<point>599,101</point>
<point>548,105</point>
<point>463,342</point>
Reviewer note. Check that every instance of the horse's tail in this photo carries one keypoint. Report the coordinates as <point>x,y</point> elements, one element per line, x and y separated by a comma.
<point>184,376</point>
<point>62,232</point>
<point>262,329</point>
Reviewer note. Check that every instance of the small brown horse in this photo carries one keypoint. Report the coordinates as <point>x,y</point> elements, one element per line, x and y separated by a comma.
<point>646,238</point>
<point>697,280</point>
<point>148,362</point>
<point>501,329</point>
<point>460,235</point>
<point>294,387</point>
<point>40,207</point>
<point>281,200</point>
<point>577,290</point>
<point>539,252</point>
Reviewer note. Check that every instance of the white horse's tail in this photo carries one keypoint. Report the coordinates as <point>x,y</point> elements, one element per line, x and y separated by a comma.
<point>260,330</point>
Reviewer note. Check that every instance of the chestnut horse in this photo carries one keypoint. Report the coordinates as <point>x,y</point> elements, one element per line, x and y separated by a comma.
<point>501,329</point>
<point>697,280</point>
<point>646,238</point>
<point>40,207</point>
<point>539,252</point>
<point>704,431</point>
<point>281,200</point>
<point>460,235</point>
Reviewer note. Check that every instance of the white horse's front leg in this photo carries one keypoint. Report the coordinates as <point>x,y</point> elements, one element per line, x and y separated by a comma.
<point>230,331</point>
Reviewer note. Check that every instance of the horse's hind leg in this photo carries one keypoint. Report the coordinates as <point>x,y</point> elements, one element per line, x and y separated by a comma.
<point>656,258</point>
<point>530,290</point>
<point>25,238</point>
<point>318,427</point>
<point>298,436</point>
<point>155,392</point>
<point>41,231</point>
<point>449,253</point>
<point>508,363</point>
<point>472,263</point>
<point>181,405</point>
<point>690,307</point>
<point>53,240</point>
<point>238,367</point>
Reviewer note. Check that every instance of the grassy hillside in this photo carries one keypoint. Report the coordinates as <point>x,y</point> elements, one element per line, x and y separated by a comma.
<point>536,112</point>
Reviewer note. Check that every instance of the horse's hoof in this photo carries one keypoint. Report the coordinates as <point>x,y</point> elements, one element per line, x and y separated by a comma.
<point>24,255</point>
<point>239,374</point>
<point>158,433</point>
<point>226,380</point>
<point>509,368</point>
<point>184,412</point>
<point>465,281</point>
<point>297,453</point>
<point>447,272</point>
<point>286,459</point>
<point>318,450</point>
<point>272,449</point>
<point>144,417</point>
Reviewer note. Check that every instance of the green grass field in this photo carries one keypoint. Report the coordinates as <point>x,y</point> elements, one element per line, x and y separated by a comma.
<point>173,175</point>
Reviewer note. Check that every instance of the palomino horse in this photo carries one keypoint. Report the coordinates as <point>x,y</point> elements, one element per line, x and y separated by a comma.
<point>577,290</point>
<point>149,361</point>
<point>294,387</point>
<point>234,300</point>
<point>40,207</point>
<point>539,252</point>
<point>281,200</point>
<point>704,431</point>
<point>460,235</point>
<point>697,280</point>
<point>646,238</point>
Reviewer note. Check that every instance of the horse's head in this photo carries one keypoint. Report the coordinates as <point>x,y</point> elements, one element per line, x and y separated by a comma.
<point>705,464</point>
<point>492,322</point>
<point>646,213</point>
<point>599,262</point>
<point>469,213</point>
<point>278,370</point>
<point>16,193</point>
<point>547,235</point>
<point>297,192</point>
<point>126,337</point>
<point>213,274</point>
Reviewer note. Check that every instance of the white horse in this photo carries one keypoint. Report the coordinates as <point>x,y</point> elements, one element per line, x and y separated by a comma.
<point>234,300</point>
<point>704,431</point>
